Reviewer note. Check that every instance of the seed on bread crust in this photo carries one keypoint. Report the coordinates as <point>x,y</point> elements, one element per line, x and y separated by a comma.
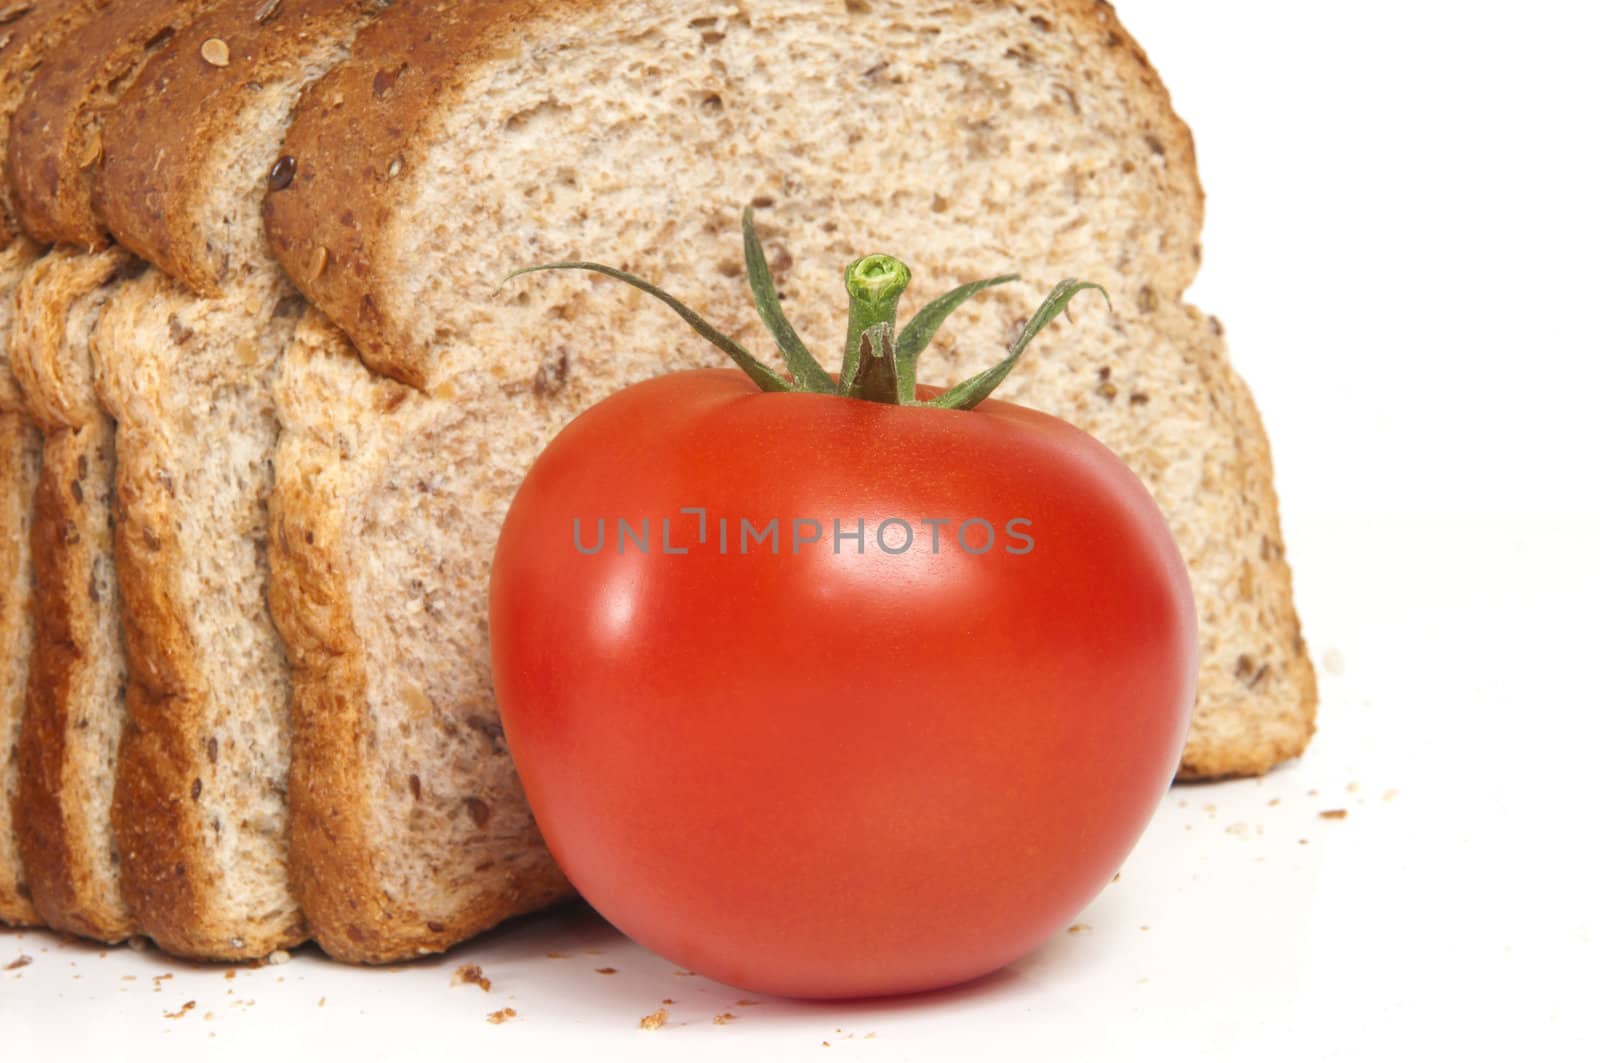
<point>215,51</point>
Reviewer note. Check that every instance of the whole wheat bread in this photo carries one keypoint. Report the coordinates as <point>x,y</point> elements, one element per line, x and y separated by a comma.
<point>73,717</point>
<point>463,142</point>
<point>200,810</point>
<point>52,153</point>
<point>29,32</point>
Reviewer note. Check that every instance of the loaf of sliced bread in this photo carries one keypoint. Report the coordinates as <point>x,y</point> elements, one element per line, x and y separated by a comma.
<point>188,357</point>
<point>462,142</point>
<point>19,476</point>
<point>73,717</point>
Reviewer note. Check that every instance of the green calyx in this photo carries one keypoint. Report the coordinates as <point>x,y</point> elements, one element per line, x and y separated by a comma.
<point>879,365</point>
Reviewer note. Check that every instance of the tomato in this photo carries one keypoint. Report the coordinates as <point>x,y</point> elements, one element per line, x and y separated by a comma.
<point>837,767</point>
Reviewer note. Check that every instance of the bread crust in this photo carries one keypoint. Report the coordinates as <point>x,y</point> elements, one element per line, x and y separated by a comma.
<point>152,181</point>
<point>54,148</point>
<point>71,878</point>
<point>1229,736</point>
<point>29,31</point>
<point>19,473</point>
<point>354,130</point>
<point>333,858</point>
<point>54,834</point>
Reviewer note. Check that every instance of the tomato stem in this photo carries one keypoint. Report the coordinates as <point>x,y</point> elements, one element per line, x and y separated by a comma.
<point>874,285</point>
<point>878,365</point>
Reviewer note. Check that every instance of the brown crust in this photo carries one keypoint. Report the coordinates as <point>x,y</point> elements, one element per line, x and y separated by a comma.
<point>327,225</point>
<point>55,134</point>
<point>332,857</point>
<point>29,30</point>
<point>16,622</point>
<point>51,832</point>
<point>151,179</point>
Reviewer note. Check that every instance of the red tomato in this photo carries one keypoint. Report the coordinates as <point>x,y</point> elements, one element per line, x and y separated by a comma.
<point>830,774</point>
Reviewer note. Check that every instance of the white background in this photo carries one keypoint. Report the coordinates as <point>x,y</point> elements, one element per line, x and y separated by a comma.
<point>1401,238</point>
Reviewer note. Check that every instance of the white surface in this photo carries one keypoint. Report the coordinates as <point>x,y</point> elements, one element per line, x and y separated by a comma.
<point>1401,239</point>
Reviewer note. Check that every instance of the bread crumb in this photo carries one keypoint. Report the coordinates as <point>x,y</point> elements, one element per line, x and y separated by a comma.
<point>555,955</point>
<point>158,979</point>
<point>1079,928</point>
<point>684,974</point>
<point>230,974</point>
<point>1275,802</point>
<point>605,970</point>
<point>322,1002</point>
<point>723,1019</point>
<point>1390,795</point>
<point>503,1015</point>
<point>1144,928</point>
<point>188,1006</point>
<point>1333,813</point>
<point>1305,841</point>
<point>19,963</point>
<point>1333,661</point>
<point>277,957</point>
<point>1351,788</point>
<point>1241,829</point>
<point>470,974</point>
<point>655,1020</point>
<point>745,1003</point>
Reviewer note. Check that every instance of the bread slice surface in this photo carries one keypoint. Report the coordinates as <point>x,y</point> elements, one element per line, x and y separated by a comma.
<point>537,110</point>
<point>970,140</point>
<point>410,831</point>
<point>74,706</point>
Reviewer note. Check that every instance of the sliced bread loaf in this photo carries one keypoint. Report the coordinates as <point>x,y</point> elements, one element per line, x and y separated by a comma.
<point>73,717</point>
<point>460,143</point>
<point>200,810</point>
<point>19,476</point>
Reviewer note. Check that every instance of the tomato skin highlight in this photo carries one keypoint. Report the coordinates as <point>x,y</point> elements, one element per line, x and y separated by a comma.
<point>838,775</point>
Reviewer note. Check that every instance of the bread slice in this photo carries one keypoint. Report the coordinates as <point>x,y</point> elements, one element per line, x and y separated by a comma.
<point>19,475</point>
<point>410,830</point>
<point>73,717</point>
<point>970,140</point>
<point>200,810</point>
